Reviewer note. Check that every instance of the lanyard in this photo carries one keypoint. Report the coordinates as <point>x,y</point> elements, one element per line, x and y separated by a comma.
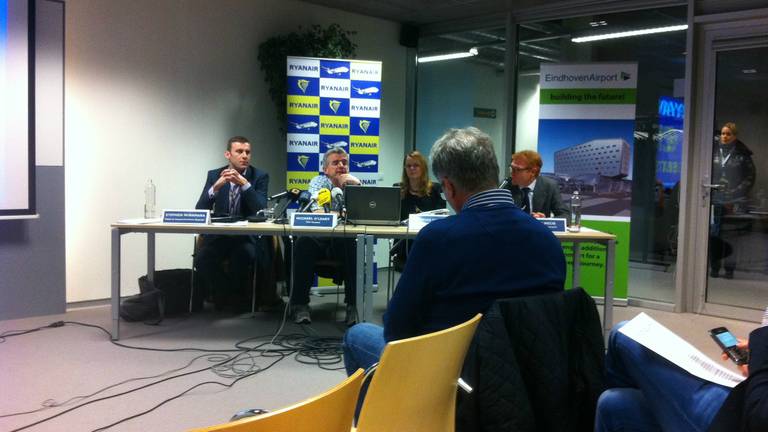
<point>724,159</point>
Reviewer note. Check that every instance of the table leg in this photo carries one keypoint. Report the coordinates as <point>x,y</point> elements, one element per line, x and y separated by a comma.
<point>151,256</point>
<point>610,264</point>
<point>368,292</point>
<point>360,275</point>
<point>115,268</point>
<point>576,273</point>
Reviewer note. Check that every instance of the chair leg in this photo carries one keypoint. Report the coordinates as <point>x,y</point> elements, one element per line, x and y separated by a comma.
<point>253,289</point>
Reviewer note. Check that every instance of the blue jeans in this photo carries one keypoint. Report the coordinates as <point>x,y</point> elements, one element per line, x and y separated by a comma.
<point>363,344</point>
<point>649,393</point>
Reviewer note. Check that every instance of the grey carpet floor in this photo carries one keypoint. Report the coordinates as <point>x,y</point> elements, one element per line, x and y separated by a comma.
<point>54,365</point>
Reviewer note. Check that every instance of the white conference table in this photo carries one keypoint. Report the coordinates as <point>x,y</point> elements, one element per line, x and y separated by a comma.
<point>365,235</point>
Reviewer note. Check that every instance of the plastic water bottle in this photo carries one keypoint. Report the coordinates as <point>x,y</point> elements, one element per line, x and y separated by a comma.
<point>149,200</point>
<point>765,318</point>
<point>575,225</point>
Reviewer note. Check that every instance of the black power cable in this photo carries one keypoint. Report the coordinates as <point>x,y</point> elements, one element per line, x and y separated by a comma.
<point>321,351</point>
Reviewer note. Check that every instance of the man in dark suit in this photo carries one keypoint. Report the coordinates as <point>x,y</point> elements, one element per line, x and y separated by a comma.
<point>543,193</point>
<point>238,190</point>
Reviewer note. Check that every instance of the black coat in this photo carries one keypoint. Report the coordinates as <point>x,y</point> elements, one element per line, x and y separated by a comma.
<point>536,364</point>
<point>251,201</point>
<point>746,408</point>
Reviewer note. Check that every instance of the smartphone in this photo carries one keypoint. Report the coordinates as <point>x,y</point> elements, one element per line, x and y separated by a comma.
<point>727,342</point>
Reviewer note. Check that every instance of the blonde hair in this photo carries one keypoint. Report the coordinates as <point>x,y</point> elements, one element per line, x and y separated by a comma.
<point>425,184</point>
<point>732,127</point>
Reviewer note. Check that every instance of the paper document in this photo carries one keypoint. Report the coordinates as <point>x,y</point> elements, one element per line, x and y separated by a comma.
<point>659,339</point>
<point>139,221</point>
<point>236,223</point>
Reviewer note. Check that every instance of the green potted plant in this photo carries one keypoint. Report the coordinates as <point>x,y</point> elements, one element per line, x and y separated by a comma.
<point>316,41</point>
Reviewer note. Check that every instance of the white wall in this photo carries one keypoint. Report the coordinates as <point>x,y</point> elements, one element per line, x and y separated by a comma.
<point>527,133</point>
<point>154,89</point>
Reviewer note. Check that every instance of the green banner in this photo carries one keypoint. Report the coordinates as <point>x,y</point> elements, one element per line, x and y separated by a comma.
<point>588,96</point>
<point>592,265</point>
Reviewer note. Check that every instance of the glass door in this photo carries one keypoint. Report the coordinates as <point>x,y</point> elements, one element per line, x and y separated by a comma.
<point>732,151</point>
<point>738,223</point>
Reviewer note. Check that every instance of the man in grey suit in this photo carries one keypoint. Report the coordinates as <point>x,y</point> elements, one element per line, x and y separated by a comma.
<point>539,196</point>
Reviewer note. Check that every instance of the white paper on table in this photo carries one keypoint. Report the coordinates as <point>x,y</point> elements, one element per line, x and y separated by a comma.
<point>139,221</point>
<point>648,332</point>
<point>236,223</point>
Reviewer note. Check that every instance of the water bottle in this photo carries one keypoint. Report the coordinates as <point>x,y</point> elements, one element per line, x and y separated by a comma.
<point>575,225</point>
<point>149,200</point>
<point>765,318</point>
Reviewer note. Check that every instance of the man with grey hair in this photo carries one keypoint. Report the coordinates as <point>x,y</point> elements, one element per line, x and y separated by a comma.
<point>460,265</point>
<point>311,249</point>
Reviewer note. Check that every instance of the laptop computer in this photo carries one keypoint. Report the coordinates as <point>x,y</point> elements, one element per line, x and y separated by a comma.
<point>372,205</point>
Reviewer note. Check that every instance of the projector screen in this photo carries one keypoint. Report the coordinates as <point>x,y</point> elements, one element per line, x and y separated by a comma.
<point>17,161</point>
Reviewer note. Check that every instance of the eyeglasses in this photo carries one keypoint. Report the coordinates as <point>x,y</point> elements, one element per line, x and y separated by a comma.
<point>342,162</point>
<point>515,169</point>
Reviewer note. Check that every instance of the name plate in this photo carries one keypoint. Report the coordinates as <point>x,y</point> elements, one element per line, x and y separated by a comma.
<point>313,220</point>
<point>417,221</point>
<point>199,217</point>
<point>554,224</point>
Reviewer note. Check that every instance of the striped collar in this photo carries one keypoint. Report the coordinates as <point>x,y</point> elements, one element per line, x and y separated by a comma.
<point>489,198</point>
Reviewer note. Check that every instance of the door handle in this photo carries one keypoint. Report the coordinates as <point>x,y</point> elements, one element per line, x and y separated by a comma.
<point>713,186</point>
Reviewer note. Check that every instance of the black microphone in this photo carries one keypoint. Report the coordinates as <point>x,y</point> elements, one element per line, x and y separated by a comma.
<point>292,193</point>
<point>505,183</point>
<point>305,200</point>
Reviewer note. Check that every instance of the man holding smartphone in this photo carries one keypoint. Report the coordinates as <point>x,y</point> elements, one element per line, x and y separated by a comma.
<point>237,190</point>
<point>649,393</point>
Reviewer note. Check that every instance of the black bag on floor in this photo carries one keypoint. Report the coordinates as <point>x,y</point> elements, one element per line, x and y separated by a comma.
<point>176,286</point>
<point>148,306</point>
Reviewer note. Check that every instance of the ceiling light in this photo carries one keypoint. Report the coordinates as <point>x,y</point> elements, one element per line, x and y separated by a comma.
<point>630,33</point>
<point>451,56</point>
<point>749,71</point>
<point>597,23</point>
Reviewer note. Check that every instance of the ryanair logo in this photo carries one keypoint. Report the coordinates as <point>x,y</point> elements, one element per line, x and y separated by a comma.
<point>368,108</point>
<point>303,68</point>
<point>303,105</point>
<point>303,84</point>
<point>302,143</point>
<point>334,125</point>
<point>367,144</point>
<point>334,88</point>
<point>302,160</point>
<point>334,105</point>
<point>364,124</point>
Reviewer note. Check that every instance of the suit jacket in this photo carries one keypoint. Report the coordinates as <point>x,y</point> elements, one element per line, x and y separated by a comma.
<point>251,201</point>
<point>459,265</point>
<point>546,198</point>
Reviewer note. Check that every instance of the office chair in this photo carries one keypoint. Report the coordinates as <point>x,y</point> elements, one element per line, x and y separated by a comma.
<point>331,411</point>
<point>414,385</point>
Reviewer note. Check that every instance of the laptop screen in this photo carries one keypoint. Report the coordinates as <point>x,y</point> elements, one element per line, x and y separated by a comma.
<point>372,205</point>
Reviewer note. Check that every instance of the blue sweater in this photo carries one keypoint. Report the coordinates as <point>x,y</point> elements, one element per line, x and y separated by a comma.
<point>459,265</point>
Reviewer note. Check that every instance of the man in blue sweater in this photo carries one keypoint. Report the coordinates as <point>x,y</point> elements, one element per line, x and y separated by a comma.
<point>459,265</point>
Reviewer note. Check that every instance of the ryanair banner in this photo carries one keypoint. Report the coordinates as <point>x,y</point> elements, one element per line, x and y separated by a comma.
<point>332,104</point>
<point>586,134</point>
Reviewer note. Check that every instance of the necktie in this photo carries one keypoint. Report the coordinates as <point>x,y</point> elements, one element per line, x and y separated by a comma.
<point>526,200</point>
<point>234,199</point>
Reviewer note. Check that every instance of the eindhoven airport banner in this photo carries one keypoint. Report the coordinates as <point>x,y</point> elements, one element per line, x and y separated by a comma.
<point>586,132</point>
<point>332,104</point>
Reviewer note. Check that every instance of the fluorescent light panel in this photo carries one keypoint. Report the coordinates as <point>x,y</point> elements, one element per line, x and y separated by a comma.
<point>451,56</point>
<point>631,33</point>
